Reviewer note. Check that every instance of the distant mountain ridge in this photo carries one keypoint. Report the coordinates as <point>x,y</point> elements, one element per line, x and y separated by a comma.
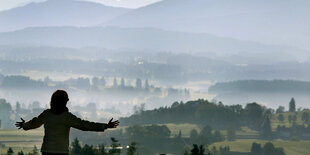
<point>58,13</point>
<point>147,39</point>
<point>281,22</point>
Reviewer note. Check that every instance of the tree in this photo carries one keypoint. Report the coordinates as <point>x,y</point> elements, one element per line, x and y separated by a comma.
<point>305,117</point>
<point>114,150</point>
<point>88,150</point>
<point>76,147</point>
<point>268,149</point>
<point>280,109</point>
<point>132,149</point>
<point>146,85</point>
<point>292,106</point>
<point>279,151</point>
<point>95,81</point>
<point>266,131</point>
<point>115,83</point>
<point>20,153</point>
<point>205,135</point>
<point>17,107</point>
<point>281,117</point>
<point>34,151</point>
<point>197,150</point>
<point>102,81</point>
<point>256,149</point>
<point>254,115</point>
<point>138,83</point>
<point>193,135</point>
<point>102,150</point>
<point>224,150</point>
<point>10,151</point>
<point>122,82</point>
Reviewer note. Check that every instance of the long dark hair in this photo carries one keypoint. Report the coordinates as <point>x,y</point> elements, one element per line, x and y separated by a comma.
<point>59,101</point>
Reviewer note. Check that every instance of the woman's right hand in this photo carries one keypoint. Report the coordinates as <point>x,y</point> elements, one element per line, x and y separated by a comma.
<point>19,125</point>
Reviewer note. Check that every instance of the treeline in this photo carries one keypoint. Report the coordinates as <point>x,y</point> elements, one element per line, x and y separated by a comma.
<point>203,112</point>
<point>261,86</point>
<point>152,139</point>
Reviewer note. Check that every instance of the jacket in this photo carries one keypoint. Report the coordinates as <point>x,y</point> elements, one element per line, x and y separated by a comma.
<point>57,129</point>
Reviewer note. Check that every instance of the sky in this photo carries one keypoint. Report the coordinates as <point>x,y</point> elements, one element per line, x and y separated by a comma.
<point>8,4</point>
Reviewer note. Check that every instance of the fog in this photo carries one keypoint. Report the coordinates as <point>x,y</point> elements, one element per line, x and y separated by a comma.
<point>200,64</point>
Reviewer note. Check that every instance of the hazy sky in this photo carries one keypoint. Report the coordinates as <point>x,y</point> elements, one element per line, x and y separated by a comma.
<point>7,4</point>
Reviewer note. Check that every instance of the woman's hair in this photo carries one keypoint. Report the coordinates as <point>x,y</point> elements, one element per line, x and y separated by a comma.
<point>59,101</point>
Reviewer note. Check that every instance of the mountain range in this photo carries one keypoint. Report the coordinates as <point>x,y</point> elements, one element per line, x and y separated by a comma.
<point>269,29</point>
<point>267,21</point>
<point>149,40</point>
<point>58,13</point>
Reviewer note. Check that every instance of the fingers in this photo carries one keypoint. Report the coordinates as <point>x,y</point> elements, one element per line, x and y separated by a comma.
<point>22,119</point>
<point>115,123</point>
<point>110,120</point>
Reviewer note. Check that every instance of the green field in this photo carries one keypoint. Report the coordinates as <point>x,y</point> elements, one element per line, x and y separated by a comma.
<point>20,139</point>
<point>290,147</point>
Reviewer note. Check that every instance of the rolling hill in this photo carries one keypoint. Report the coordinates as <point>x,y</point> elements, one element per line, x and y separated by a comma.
<point>267,21</point>
<point>146,39</point>
<point>57,13</point>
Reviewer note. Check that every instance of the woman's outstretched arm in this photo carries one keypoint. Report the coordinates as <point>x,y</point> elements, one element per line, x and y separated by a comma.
<point>85,125</point>
<point>36,122</point>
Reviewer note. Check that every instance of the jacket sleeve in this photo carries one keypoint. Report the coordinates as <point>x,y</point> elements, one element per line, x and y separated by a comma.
<point>85,125</point>
<point>35,122</point>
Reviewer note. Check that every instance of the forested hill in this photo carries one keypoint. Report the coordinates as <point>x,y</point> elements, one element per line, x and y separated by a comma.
<point>261,86</point>
<point>201,112</point>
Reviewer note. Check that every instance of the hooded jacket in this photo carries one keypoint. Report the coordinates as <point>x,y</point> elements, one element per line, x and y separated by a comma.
<point>57,128</point>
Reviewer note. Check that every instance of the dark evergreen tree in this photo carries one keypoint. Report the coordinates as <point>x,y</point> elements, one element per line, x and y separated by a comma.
<point>198,150</point>
<point>35,150</point>
<point>292,105</point>
<point>10,151</point>
<point>268,149</point>
<point>20,153</point>
<point>256,149</point>
<point>76,147</point>
<point>88,150</point>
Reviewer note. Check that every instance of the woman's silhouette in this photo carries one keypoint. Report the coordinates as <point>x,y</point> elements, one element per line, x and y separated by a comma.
<point>57,123</point>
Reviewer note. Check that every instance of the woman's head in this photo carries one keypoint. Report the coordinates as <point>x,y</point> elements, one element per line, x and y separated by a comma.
<point>59,101</point>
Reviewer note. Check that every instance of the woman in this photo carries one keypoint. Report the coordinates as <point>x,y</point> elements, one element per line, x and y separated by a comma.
<point>57,123</point>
